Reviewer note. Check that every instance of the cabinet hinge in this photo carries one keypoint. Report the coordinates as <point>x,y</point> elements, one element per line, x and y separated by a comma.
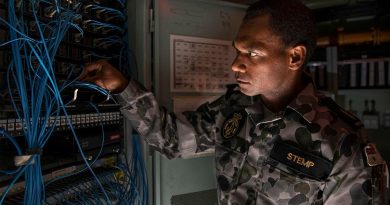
<point>151,21</point>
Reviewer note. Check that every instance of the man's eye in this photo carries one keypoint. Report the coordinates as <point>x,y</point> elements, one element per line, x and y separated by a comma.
<point>252,54</point>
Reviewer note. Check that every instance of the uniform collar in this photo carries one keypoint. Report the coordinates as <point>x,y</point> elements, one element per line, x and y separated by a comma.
<point>305,104</point>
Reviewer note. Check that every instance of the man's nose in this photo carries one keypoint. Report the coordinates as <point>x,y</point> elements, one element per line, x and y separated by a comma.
<point>238,64</point>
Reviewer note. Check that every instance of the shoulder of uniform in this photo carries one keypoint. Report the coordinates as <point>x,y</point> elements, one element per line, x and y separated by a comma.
<point>340,112</point>
<point>232,90</point>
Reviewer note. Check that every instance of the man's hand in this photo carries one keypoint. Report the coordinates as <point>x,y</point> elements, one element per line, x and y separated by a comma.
<point>104,75</point>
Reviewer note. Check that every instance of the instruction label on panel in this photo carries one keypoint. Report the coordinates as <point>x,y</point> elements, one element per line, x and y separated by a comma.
<point>200,64</point>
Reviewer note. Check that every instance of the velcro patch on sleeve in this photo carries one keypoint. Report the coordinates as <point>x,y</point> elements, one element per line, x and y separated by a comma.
<point>233,124</point>
<point>373,157</point>
<point>302,162</point>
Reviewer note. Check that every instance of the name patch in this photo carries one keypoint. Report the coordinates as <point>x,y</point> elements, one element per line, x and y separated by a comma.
<point>301,162</point>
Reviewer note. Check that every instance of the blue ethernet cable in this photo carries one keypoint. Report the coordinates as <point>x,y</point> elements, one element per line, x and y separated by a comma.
<point>48,95</point>
<point>101,9</point>
<point>95,158</point>
<point>17,147</point>
<point>121,2</point>
<point>38,86</point>
<point>99,25</point>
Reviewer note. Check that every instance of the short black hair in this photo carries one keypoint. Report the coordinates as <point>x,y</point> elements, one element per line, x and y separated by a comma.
<point>289,19</point>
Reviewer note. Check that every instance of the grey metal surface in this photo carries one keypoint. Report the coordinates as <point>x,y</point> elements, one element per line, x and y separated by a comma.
<point>208,197</point>
<point>197,18</point>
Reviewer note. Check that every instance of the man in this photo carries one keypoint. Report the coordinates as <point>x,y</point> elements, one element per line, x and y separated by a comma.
<point>276,140</point>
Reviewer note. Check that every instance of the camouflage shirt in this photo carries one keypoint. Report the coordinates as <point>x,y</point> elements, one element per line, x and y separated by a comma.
<point>313,152</point>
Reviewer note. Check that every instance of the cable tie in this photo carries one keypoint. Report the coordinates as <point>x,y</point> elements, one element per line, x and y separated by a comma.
<point>34,151</point>
<point>108,96</point>
<point>26,159</point>
<point>75,95</point>
<point>23,160</point>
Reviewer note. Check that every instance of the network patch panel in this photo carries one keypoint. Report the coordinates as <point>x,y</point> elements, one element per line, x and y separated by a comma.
<point>16,126</point>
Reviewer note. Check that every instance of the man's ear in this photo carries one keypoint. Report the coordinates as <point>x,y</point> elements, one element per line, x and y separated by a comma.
<point>297,56</point>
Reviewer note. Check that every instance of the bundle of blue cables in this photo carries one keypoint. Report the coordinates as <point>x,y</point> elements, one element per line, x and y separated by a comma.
<point>32,74</point>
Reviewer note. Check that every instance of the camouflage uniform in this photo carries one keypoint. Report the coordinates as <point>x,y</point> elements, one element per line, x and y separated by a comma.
<point>312,152</point>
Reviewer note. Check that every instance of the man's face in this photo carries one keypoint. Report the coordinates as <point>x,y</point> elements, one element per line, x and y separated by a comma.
<point>261,64</point>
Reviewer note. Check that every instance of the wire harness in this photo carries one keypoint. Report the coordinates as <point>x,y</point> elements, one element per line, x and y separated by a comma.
<point>37,99</point>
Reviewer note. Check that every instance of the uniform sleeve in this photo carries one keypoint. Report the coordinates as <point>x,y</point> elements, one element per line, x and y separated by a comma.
<point>352,180</point>
<point>163,130</point>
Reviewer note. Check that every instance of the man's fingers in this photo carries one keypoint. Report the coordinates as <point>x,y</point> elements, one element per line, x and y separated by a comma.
<point>93,66</point>
<point>90,70</point>
<point>96,80</point>
<point>102,74</point>
<point>83,76</point>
